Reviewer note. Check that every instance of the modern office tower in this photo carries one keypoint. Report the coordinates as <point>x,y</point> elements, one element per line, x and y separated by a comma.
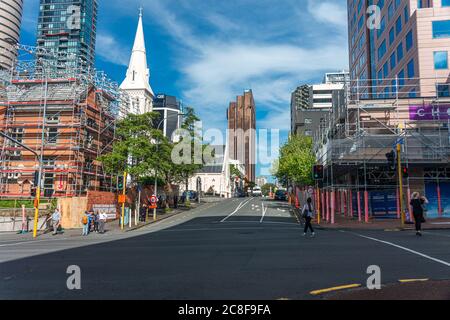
<point>169,109</point>
<point>242,133</point>
<point>137,80</point>
<point>405,54</point>
<point>10,21</point>
<point>311,103</point>
<point>68,28</point>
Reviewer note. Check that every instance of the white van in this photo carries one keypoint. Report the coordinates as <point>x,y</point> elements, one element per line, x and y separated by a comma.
<point>257,192</point>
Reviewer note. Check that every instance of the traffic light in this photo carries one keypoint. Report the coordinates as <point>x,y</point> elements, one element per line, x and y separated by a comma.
<point>318,172</point>
<point>120,183</point>
<point>405,172</point>
<point>36,178</point>
<point>391,157</point>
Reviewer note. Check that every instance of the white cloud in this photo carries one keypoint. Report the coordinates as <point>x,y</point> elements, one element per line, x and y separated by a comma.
<point>329,12</point>
<point>108,49</point>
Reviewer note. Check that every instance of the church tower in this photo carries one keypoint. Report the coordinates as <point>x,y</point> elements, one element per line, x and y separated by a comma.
<point>137,81</point>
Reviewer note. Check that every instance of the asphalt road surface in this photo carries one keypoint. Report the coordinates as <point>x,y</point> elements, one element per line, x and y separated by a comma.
<point>236,249</point>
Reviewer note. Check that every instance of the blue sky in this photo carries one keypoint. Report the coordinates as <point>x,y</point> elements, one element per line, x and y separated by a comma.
<point>208,51</point>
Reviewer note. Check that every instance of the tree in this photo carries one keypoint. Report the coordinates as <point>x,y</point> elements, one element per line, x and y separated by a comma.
<point>183,171</point>
<point>296,161</point>
<point>265,189</point>
<point>135,150</point>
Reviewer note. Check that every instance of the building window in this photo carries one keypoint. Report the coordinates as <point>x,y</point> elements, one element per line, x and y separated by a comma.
<point>51,135</point>
<point>391,36</point>
<point>399,52</point>
<point>308,133</point>
<point>443,90</point>
<point>382,50</point>
<point>411,73</point>
<point>382,27</point>
<point>308,121</point>
<point>446,3</point>
<point>385,70</point>
<point>412,94</point>
<point>406,13</point>
<point>401,79</point>
<point>392,61</point>
<point>409,40</point>
<point>391,11</point>
<point>440,60</point>
<point>398,25</point>
<point>441,29</point>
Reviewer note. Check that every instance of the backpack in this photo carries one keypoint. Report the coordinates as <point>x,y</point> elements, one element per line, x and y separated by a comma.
<point>84,220</point>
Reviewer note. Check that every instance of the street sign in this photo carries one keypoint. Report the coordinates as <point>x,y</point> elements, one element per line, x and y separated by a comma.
<point>122,198</point>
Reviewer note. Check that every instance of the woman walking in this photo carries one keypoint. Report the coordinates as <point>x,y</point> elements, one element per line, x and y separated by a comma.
<point>308,215</point>
<point>417,203</point>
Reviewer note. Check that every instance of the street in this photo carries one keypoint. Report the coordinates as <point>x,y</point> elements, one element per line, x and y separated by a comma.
<point>247,248</point>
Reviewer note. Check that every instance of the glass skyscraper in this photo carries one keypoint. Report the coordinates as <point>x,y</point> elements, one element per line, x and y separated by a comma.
<point>69,26</point>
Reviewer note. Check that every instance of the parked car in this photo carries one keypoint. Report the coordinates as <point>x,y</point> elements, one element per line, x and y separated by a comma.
<point>257,192</point>
<point>240,193</point>
<point>281,195</point>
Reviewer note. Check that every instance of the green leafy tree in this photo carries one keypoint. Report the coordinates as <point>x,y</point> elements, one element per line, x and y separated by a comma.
<point>296,161</point>
<point>135,150</point>
<point>265,189</point>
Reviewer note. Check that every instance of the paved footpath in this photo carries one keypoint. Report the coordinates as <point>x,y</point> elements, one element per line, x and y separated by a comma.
<point>236,249</point>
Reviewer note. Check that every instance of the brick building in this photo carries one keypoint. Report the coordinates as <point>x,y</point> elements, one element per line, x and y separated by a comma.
<point>242,132</point>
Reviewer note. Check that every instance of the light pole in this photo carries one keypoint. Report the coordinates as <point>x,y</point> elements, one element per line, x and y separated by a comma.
<point>36,208</point>
<point>157,150</point>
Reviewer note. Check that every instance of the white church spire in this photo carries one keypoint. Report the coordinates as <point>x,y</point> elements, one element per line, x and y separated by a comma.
<point>137,81</point>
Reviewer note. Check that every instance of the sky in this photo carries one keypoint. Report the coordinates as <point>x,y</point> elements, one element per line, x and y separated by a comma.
<point>206,52</point>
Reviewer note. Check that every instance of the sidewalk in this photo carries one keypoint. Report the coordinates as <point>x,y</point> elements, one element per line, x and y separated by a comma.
<point>342,222</point>
<point>111,228</point>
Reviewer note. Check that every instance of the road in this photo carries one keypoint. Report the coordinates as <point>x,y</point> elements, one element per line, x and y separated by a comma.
<point>235,249</point>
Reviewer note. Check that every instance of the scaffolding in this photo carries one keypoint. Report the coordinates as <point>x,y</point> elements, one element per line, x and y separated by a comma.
<point>64,112</point>
<point>353,140</point>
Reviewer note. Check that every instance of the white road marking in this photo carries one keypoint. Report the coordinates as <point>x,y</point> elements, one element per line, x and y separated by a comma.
<point>402,248</point>
<point>240,206</point>
<point>264,210</point>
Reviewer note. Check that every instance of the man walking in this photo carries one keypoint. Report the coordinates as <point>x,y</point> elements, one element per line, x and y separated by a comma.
<point>56,221</point>
<point>102,221</point>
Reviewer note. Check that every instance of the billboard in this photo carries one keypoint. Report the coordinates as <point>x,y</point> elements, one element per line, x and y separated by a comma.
<point>429,112</point>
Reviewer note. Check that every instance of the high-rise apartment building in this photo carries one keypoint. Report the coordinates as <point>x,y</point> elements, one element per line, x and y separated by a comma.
<point>10,21</point>
<point>242,132</point>
<point>69,27</point>
<point>400,48</point>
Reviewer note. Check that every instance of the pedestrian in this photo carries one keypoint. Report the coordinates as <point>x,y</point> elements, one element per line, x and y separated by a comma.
<point>96,221</point>
<point>417,203</point>
<point>85,222</point>
<point>308,215</point>
<point>91,221</point>
<point>102,221</point>
<point>56,221</point>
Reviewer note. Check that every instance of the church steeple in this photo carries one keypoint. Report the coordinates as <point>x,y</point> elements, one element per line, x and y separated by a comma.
<point>137,81</point>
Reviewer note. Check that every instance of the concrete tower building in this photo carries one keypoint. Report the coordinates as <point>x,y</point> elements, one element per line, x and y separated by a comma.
<point>137,81</point>
<point>10,21</point>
